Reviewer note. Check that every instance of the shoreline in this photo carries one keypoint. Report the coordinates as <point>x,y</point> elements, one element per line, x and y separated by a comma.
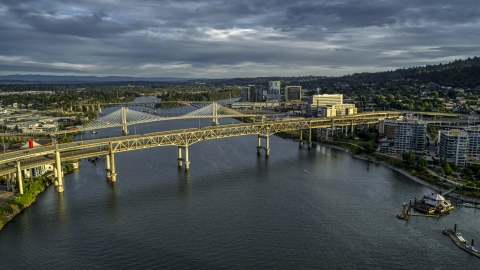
<point>403,172</point>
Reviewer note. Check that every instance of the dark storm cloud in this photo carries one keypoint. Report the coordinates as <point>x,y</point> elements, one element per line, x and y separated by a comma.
<point>219,38</point>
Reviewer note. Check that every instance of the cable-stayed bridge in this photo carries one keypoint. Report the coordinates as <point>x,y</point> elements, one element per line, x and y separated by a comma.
<point>125,117</point>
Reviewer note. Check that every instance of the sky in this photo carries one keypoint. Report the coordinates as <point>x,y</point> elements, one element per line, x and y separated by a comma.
<point>234,38</point>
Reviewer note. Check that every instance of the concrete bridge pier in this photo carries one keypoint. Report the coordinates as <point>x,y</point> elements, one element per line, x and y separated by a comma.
<point>99,108</point>
<point>58,165</point>
<point>19,178</point>
<point>107,167</point>
<point>183,160</point>
<point>179,158</point>
<point>266,147</point>
<point>113,173</point>
<point>8,180</point>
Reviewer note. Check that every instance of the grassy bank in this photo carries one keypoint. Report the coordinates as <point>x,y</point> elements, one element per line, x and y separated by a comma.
<point>31,188</point>
<point>412,168</point>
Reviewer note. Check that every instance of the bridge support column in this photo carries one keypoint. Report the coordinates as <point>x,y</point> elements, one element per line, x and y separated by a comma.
<point>99,108</point>
<point>266,147</point>
<point>113,174</point>
<point>179,158</point>
<point>300,144</point>
<point>107,167</point>
<point>352,133</point>
<point>183,160</point>
<point>19,178</point>
<point>12,182</point>
<point>58,165</point>
<point>8,180</point>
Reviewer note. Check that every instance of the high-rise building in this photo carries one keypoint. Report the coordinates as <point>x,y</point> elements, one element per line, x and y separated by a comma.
<point>273,91</point>
<point>410,135</point>
<point>252,93</point>
<point>474,141</point>
<point>293,93</point>
<point>246,92</point>
<point>453,147</point>
<point>386,128</point>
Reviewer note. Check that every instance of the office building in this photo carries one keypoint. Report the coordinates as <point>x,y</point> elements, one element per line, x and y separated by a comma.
<point>293,93</point>
<point>327,105</point>
<point>252,93</point>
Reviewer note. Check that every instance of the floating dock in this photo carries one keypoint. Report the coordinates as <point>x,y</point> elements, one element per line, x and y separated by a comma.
<point>459,243</point>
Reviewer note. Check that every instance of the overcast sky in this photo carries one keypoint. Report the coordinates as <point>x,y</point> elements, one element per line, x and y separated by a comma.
<point>232,38</point>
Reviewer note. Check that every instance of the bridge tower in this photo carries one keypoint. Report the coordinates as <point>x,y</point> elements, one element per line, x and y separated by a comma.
<point>124,121</point>
<point>214,114</point>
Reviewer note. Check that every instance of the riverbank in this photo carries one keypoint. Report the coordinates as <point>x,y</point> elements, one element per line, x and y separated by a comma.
<point>404,172</point>
<point>31,189</point>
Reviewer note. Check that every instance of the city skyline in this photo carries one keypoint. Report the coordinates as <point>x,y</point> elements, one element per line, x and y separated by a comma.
<point>220,39</point>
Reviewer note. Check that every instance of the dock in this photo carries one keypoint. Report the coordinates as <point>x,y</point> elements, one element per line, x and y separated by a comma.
<point>459,243</point>
<point>405,212</point>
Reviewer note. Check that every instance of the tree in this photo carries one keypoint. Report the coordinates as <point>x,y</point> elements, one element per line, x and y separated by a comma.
<point>422,162</point>
<point>447,169</point>
<point>409,157</point>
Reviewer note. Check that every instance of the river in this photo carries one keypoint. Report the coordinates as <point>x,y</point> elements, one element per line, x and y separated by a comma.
<point>233,209</point>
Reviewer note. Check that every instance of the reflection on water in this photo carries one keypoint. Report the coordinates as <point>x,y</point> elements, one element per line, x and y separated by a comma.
<point>184,182</point>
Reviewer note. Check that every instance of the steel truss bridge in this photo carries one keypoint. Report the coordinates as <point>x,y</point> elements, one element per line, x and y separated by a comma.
<point>12,163</point>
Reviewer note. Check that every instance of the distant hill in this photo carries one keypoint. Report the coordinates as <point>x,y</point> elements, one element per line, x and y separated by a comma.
<point>459,73</point>
<point>18,79</point>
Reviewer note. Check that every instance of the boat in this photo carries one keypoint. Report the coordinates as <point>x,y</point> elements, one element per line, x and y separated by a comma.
<point>307,172</point>
<point>460,237</point>
<point>469,205</point>
<point>94,131</point>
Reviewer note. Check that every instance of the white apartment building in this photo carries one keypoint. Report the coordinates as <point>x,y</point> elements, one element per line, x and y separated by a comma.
<point>453,147</point>
<point>410,135</point>
<point>474,141</point>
